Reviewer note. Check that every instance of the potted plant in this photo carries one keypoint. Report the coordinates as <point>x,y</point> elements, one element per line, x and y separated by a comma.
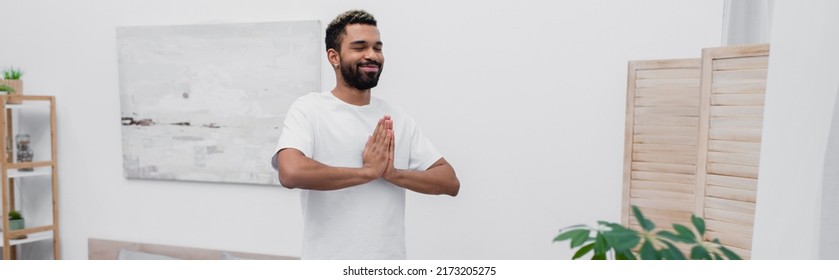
<point>615,241</point>
<point>16,223</point>
<point>11,80</point>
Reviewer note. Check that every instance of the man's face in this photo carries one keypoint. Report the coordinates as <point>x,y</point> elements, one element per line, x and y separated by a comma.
<point>361,56</point>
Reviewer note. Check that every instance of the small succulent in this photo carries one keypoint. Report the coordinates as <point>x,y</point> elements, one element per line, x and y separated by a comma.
<point>7,89</point>
<point>12,73</point>
<point>15,215</point>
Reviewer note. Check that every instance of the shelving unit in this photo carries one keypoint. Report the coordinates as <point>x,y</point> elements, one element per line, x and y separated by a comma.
<point>12,174</point>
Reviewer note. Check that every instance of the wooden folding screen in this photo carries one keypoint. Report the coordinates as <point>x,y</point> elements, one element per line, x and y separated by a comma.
<point>662,124</point>
<point>697,155</point>
<point>731,122</point>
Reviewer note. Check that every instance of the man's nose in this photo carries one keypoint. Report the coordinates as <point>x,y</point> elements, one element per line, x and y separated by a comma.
<point>370,54</point>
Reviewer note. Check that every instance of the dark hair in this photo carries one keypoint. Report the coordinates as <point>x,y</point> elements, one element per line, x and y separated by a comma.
<point>335,31</point>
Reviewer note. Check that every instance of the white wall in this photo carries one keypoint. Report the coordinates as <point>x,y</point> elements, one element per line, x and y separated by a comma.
<point>525,99</point>
<point>801,90</point>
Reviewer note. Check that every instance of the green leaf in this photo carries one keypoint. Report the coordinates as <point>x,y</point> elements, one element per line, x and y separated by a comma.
<point>600,245</point>
<point>568,234</point>
<point>699,253</point>
<point>622,238</point>
<point>599,257</point>
<point>685,232</point>
<point>580,238</point>
<point>582,251</point>
<point>648,252</point>
<point>731,255</point>
<point>625,255</point>
<point>673,253</point>
<point>674,237</point>
<point>699,223</point>
<point>646,224</point>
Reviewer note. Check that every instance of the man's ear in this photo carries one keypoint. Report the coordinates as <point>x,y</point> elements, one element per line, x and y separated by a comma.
<point>334,57</point>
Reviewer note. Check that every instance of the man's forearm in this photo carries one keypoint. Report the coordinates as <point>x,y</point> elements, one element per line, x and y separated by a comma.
<point>299,171</point>
<point>438,179</point>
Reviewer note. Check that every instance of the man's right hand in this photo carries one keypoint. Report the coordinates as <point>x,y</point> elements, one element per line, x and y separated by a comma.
<point>375,155</point>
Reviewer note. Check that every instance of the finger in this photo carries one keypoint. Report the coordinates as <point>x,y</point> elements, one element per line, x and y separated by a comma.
<point>392,146</point>
<point>382,137</point>
<point>378,128</point>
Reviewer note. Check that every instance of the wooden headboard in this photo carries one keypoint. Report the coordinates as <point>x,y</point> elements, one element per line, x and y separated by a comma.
<point>100,249</point>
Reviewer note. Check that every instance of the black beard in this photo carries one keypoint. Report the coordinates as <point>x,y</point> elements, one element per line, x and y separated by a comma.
<point>359,79</point>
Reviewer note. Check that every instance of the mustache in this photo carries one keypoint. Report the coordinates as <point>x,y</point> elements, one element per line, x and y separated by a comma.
<point>372,62</point>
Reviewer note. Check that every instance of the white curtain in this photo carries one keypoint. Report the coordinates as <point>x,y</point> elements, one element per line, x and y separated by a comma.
<point>829,234</point>
<point>747,22</point>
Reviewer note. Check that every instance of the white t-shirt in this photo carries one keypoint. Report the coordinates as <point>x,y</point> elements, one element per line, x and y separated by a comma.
<point>360,222</point>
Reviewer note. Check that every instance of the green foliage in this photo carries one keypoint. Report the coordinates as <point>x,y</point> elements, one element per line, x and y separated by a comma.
<point>614,241</point>
<point>7,89</point>
<point>15,215</point>
<point>12,73</point>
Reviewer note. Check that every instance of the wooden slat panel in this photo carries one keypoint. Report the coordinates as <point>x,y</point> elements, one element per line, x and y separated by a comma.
<point>730,205</point>
<point>662,223</point>
<point>663,158</point>
<point>730,239</point>
<point>667,101</point>
<point>667,92</point>
<point>664,195</point>
<point>728,227</point>
<point>732,182</point>
<point>662,186</point>
<point>664,167</point>
<point>729,216</point>
<point>661,204</point>
<point>688,82</point>
<point>668,74</point>
<point>666,120</point>
<point>734,147</point>
<point>667,111</point>
<point>663,177</point>
<point>739,63</point>
<point>662,120</point>
<point>739,76</point>
<point>731,194</point>
<point>731,119</point>
<point>733,170</point>
<point>734,158</point>
<point>737,123</point>
<point>662,148</point>
<point>742,88</point>
<point>745,99</point>
<point>690,132</point>
<point>737,111</point>
<point>665,139</point>
<point>682,216</point>
<point>743,135</point>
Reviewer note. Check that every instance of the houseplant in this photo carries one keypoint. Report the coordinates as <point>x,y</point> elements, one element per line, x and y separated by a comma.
<point>15,220</point>
<point>11,79</point>
<point>612,240</point>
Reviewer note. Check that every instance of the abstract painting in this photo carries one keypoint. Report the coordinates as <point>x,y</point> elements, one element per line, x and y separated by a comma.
<point>206,102</point>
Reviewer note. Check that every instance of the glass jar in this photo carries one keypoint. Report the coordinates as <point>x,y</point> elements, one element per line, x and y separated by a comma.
<point>24,152</point>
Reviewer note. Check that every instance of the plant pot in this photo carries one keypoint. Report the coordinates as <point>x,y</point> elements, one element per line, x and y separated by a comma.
<point>17,85</point>
<point>16,224</point>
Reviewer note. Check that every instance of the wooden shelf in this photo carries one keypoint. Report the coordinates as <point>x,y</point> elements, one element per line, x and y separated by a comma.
<point>19,165</point>
<point>34,237</point>
<point>40,168</point>
<point>41,171</point>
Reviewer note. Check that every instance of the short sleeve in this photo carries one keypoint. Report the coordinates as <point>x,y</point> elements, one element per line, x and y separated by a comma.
<point>423,153</point>
<point>297,132</point>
